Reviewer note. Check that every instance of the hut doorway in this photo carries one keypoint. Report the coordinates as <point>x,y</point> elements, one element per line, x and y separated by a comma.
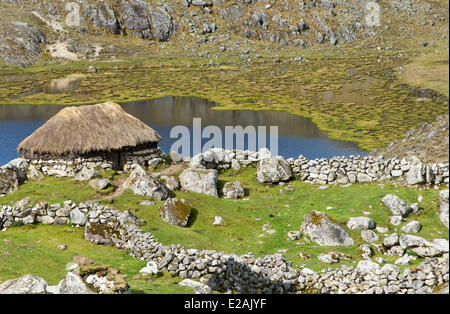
<point>117,160</point>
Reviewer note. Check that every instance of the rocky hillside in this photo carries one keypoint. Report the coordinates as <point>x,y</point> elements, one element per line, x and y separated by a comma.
<point>223,23</point>
<point>428,142</point>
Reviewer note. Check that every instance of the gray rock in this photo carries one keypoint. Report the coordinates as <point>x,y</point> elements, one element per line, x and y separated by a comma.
<point>273,170</point>
<point>163,24</point>
<point>396,205</point>
<point>404,260</point>
<point>99,184</point>
<point>332,257</point>
<point>77,217</point>
<point>395,220</point>
<point>367,266</point>
<point>171,183</point>
<point>443,207</point>
<point>324,230</point>
<point>359,223</point>
<point>47,220</point>
<point>412,227</point>
<point>416,173</point>
<point>8,181</point>
<point>294,235</point>
<point>175,157</point>
<point>217,220</point>
<point>27,284</point>
<point>143,184</point>
<point>391,240</point>
<point>408,241</point>
<point>233,190</point>
<point>150,269</point>
<point>175,211</point>
<point>20,167</point>
<point>73,284</point>
<point>34,174</point>
<point>99,233</point>
<point>86,174</point>
<point>369,236</point>
<point>199,180</point>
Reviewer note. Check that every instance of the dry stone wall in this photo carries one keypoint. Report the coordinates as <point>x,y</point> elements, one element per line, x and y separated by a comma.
<point>69,167</point>
<point>336,170</point>
<point>229,272</point>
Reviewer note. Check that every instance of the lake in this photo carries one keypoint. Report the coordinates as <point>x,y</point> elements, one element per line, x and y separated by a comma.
<point>296,135</point>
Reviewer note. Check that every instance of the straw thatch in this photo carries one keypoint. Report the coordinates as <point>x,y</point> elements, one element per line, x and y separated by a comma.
<point>86,129</point>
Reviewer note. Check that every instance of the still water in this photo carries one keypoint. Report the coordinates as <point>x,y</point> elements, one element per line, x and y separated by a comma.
<point>296,135</point>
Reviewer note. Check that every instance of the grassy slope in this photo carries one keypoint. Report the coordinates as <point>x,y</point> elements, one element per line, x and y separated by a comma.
<point>239,234</point>
<point>33,250</point>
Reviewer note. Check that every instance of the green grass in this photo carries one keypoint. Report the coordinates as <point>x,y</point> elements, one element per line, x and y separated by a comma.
<point>240,233</point>
<point>32,249</point>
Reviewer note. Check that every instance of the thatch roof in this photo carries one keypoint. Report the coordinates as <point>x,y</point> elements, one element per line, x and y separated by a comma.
<point>84,129</point>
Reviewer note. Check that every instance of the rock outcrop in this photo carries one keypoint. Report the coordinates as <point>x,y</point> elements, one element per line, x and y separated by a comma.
<point>396,205</point>
<point>27,284</point>
<point>8,181</point>
<point>144,184</point>
<point>233,190</point>
<point>273,170</point>
<point>200,180</point>
<point>324,230</point>
<point>175,211</point>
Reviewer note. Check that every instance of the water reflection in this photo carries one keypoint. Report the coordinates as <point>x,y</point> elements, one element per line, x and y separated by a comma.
<point>297,135</point>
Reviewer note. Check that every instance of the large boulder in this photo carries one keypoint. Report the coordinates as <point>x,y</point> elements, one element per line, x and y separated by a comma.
<point>20,167</point>
<point>175,211</point>
<point>27,284</point>
<point>273,170</point>
<point>412,227</point>
<point>100,233</point>
<point>233,190</point>
<point>200,180</point>
<point>360,223</point>
<point>443,207</point>
<point>77,217</point>
<point>150,186</point>
<point>34,174</point>
<point>8,181</point>
<point>86,174</point>
<point>143,184</point>
<point>396,205</point>
<point>416,173</point>
<point>99,184</point>
<point>163,24</point>
<point>324,230</point>
<point>72,284</point>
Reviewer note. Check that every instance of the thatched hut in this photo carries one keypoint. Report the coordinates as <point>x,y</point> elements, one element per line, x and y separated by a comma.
<point>102,135</point>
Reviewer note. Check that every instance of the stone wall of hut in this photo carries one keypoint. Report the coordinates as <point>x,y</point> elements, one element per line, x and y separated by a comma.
<point>67,165</point>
